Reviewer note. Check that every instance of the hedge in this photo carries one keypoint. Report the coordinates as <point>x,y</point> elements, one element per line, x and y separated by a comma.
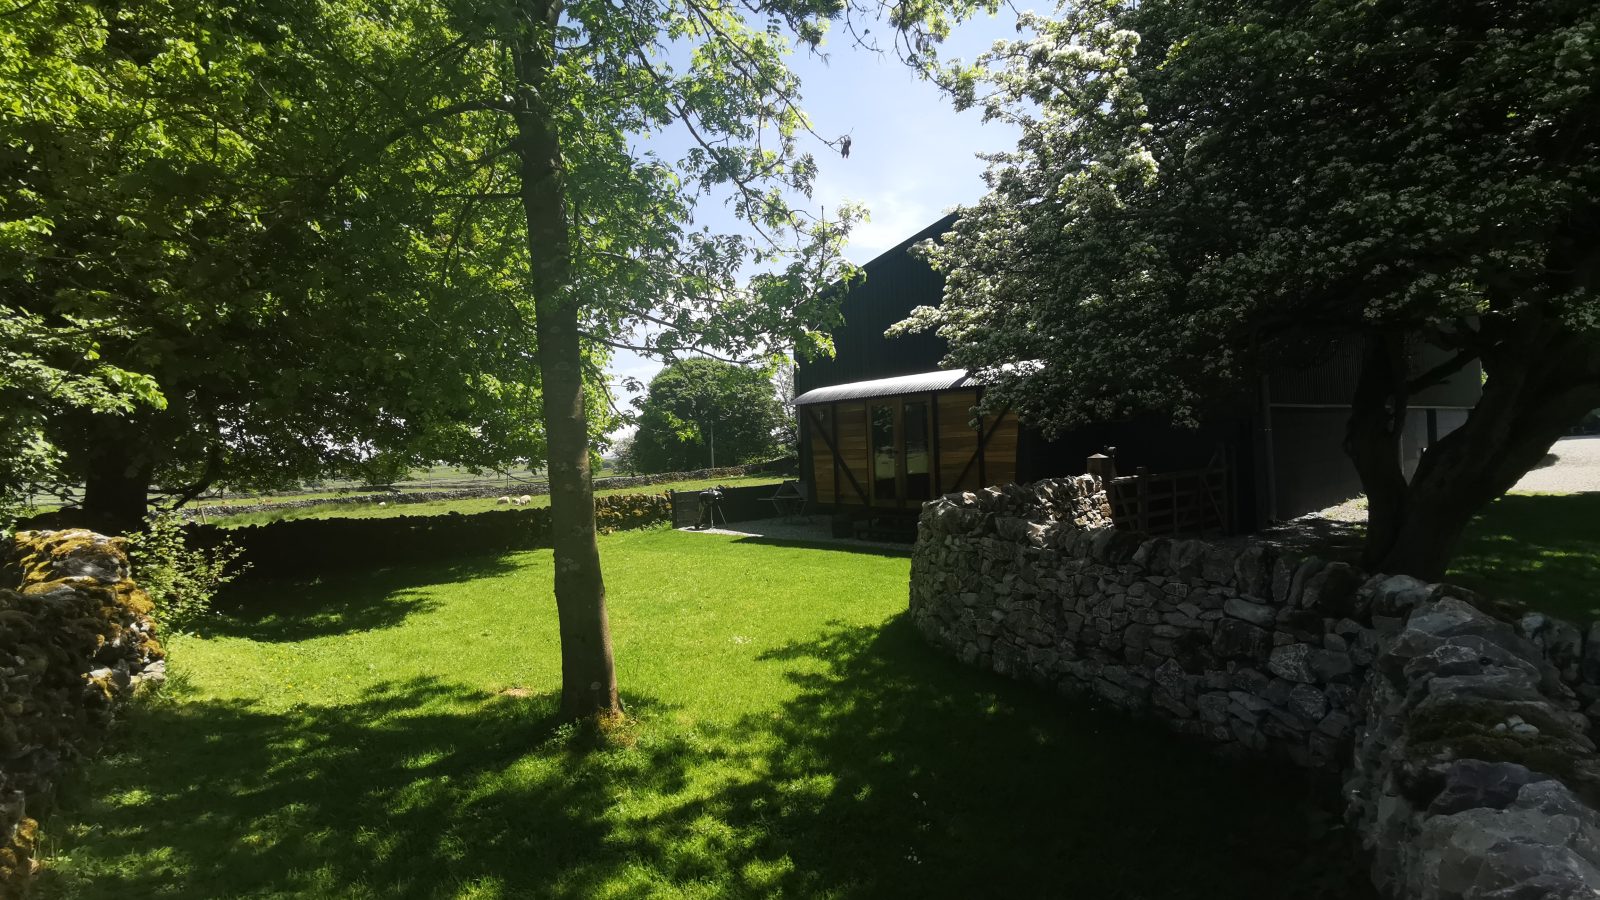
<point>300,548</point>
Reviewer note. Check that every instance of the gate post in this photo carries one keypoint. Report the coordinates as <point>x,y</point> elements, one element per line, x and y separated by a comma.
<point>1103,467</point>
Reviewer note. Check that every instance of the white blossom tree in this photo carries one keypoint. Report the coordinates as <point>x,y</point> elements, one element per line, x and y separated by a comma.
<point>1204,191</point>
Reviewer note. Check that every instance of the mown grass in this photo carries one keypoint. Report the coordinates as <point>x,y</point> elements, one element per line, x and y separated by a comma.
<point>1541,549</point>
<point>789,735</point>
<point>471,505</point>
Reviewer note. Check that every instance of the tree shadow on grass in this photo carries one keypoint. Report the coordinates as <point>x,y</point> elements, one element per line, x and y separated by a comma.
<point>1330,539</point>
<point>897,772</point>
<point>412,792</point>
<point>1541,549</point>
<point>843,546</point>
<point>893,772</point>
<point>291,609</point>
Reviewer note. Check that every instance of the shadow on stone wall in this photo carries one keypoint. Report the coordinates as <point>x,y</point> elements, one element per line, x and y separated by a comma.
<point>1456,718</point>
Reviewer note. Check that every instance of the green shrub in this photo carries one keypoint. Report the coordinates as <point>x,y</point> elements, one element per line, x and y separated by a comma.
<point>181,581</point>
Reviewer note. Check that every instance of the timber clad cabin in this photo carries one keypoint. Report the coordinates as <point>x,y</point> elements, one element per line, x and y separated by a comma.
<point>896,443</point>
<point>883,429</point>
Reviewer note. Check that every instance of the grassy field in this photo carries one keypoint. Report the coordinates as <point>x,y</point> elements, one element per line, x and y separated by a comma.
<point>473,505</point>
<point>790,735</point>
<point>438,478</point>
<point>1542,549</point>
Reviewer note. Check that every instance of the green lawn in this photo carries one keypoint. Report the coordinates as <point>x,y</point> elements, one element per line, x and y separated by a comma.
<point>472,505</point>
<point>1542,549</point>
<point>385,736</point>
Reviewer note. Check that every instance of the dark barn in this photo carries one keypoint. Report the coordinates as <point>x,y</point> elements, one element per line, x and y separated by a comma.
<point>883,428</point>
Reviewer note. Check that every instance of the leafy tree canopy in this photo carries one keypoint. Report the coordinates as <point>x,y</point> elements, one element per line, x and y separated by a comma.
<point>697,409</point>
<point>339,232</point>
<point>1203,191</point>
<point>240,200</point>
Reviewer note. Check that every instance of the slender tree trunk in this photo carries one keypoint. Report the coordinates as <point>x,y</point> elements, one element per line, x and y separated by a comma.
<point>1540,383</point>
<point>588,676</point>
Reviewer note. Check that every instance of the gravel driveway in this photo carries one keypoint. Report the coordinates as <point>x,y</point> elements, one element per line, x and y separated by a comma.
<point>1576,469</point>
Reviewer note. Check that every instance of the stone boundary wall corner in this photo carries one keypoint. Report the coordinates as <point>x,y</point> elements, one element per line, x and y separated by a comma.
<point>1457,723</point>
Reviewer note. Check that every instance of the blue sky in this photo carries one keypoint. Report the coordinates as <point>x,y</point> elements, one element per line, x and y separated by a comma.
<point>912,156</point>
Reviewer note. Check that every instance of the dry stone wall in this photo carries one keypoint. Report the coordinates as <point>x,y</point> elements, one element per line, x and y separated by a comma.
<point>75,640</point>
<point>1232,645</point>
<point>301,548</point>
<point>1472,763</point>
<point>1459,724</point>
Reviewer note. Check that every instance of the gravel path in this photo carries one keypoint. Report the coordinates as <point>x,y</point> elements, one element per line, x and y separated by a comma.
<point>1336,532</point>
<point>814,530</point>
<point>1576,468</point>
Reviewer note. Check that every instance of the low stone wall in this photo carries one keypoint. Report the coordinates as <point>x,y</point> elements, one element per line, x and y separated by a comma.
<point>1235,646</point>
<point>75,639</point>
<point>1457,722</point>
<point>1470,762</point>
<point>301,548</point>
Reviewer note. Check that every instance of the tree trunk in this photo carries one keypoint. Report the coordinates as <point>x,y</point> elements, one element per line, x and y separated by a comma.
<point>588,677</point>
<point>1540,382</point>
<point>1372,438</point>
<point>116,474</point>
<point>116,494</point>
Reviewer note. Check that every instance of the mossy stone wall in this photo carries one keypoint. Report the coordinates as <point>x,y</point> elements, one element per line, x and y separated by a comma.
<point>76,639</point>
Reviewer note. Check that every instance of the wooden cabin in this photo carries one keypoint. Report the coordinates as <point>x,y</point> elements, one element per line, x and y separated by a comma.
<point>895,443</point>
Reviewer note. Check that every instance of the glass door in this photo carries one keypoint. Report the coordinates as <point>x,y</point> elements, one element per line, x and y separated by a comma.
<point>885,456</point>
<point>918,459</point>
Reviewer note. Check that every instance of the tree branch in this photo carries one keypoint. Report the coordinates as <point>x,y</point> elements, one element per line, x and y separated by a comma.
<point>1442,371</point>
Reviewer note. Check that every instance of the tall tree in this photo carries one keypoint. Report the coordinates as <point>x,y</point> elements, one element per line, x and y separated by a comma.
<point>331,221</point>
<point>611,223</point>
<point>1204,191</point>
<point>703,413</point>
<point>45,366</point>
<point>248,203</point>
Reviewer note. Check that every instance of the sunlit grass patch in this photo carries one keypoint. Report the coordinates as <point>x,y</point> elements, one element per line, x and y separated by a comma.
<point>1542,549</point>
<point>400,747</point>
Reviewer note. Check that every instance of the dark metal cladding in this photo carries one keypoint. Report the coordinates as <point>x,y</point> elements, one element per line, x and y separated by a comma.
<point>1330,381</point>
<point>896,282</point>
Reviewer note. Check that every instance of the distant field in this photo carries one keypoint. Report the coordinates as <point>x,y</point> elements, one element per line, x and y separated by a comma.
<point>440,478</point>
<point>471,505</point>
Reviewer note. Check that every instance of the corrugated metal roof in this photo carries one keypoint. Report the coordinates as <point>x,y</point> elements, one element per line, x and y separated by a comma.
<point>920,383</point>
